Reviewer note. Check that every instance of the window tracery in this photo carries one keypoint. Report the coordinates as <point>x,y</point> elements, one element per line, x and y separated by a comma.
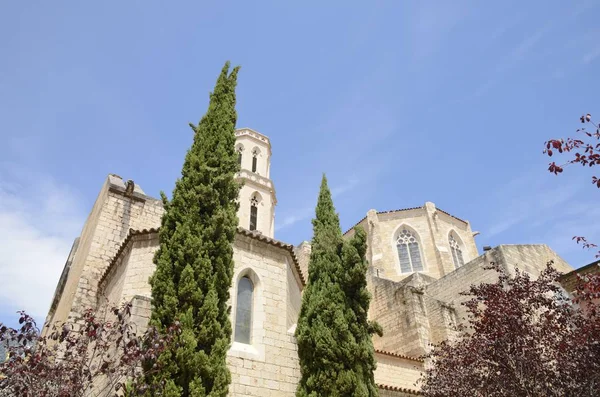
<point>409,253</point>
<point>457,256</point>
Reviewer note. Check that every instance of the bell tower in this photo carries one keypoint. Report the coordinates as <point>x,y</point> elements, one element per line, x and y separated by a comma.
<point>257,197</point>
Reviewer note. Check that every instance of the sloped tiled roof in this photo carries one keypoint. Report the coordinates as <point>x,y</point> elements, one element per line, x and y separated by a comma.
<point>399,389</point>
<point>401,210</point>
<point>288,247</point>
<point>130,235</point>
<point>255,235</point>
<point>398,355</point>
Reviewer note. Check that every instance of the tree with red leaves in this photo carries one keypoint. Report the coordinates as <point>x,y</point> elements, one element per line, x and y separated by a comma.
<point>90,356</point>
<point>522,337</point>
<point>584,150</point>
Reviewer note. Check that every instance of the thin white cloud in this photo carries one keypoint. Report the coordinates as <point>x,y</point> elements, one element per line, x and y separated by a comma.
<point>591,55</point>
<point>307,212</point>
<point>298,216</point>
<point>528,198</point>
<point>341,189</point>
<point>39,219</point>
<point>546,209</point>
<point>526,46</point>
<point>517,55</point>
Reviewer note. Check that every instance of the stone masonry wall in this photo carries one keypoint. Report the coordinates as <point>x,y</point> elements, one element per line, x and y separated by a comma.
<point>303,254</point>
<point>294,300</point>
<point>118,215</point>
<point>397,372</point>
<point>402,309</point>
<point>130,273</point>
<point>432,228</point>
<point>269,365</point>
<point>140,266</point>
<point>531,258</point>
<point>116,211</point>
<point>392,309</point>
<point>110,293</point>
<point>65,301</point>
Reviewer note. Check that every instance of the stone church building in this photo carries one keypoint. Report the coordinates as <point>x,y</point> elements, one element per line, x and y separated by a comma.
<point>420,259</point>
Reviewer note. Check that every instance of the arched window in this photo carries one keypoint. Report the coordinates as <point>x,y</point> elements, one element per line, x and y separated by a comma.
<point>240,150</point>
<point>253,212</point>
<point>254,159</point>
<point>243,311</point>
<point>409,252</point>
<point>457,255</point>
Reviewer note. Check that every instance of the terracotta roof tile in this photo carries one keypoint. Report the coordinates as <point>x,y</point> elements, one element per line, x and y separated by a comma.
<point>255,235</point>
<point>400,389</point>
<point>383,212</point>
<point>403,209</point>
<point>398,355</point>
<point>130,235</point>
<point>288,247</point>
<point>450,215</point>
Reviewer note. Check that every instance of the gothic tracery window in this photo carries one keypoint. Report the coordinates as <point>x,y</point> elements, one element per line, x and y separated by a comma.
<point>253,212</point>
<point>243,311</point>
<point>409,253</point>
<point>457,255</point>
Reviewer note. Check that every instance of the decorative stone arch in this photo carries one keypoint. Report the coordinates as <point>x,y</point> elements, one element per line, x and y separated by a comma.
<point>256,197</point>
<point>457,248</point>
<point>408,245</point>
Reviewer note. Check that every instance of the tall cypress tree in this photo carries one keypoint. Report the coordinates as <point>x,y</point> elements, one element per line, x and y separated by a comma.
<point>334,336</point>
<point>194,264</point>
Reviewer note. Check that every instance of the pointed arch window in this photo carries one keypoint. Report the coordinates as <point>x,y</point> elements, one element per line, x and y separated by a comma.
<point>243,311</point>
<point>409,253</point>
<point>253,212</point>
<point>240,150</point>
<point>457,256</point>
<point>254,159</point>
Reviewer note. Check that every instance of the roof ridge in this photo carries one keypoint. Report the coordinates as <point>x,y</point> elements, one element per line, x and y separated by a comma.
<point>405,209</point>
<point>277,243</point>
<point>256,235</point>
<point>130,234</point>
<point>399,355</point>
<point>400,389</point>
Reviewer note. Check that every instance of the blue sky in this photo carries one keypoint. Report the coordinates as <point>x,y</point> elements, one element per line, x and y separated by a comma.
<point>398,102</point>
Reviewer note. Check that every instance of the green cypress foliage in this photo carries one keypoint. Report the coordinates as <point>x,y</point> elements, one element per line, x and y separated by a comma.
<point>333,333</point>
<point>194,264</point>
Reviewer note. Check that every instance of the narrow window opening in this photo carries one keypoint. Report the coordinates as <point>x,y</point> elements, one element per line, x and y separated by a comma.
<point>253,213</point>
<point>457,256</point>
<point>254,160</point>
<point>243,312</point>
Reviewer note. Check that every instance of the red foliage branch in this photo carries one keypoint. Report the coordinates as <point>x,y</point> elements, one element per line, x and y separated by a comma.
<point>523,337</point>
<point>86,356</point>
<point>585,151</point>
